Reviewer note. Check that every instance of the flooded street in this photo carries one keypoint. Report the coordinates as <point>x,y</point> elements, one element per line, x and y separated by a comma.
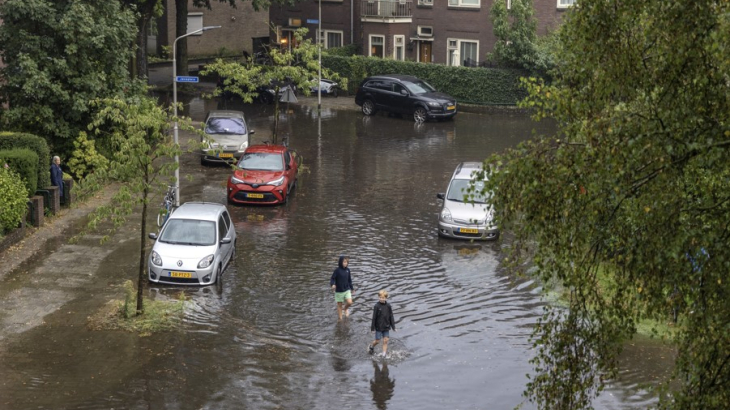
<point>271,339</point>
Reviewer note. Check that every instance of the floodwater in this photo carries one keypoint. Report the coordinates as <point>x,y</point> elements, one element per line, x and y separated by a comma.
<point>271,338</point>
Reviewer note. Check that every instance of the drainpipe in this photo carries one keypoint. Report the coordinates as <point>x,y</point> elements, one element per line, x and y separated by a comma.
<point>352,21</point>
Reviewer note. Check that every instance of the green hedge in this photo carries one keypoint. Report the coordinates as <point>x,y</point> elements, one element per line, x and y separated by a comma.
<point>474,85</point>
<point>25,163</point>
<point>13,200</point>
<point>11,140</point>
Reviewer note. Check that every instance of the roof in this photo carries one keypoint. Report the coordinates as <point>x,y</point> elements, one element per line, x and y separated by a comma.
<point>204,211</point>
<point>225,113</point>
<point>267,148</point>
<point>400,77</point>
<point>465,169</point>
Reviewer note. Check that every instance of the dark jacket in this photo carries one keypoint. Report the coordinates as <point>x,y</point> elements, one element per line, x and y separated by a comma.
<point>57,178</point>
<point>341,278</point>
<point>382,317</point>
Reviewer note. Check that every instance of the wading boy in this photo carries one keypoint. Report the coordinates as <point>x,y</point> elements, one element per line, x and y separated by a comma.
<point>382,322</point>
<point>341,283</point>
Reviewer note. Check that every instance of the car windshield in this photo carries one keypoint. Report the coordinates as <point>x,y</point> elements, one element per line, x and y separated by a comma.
<point>419,87</point>
<point>458,189</point>
<point>261,161</point>
<point>219,125</point>
<point>189,232</point>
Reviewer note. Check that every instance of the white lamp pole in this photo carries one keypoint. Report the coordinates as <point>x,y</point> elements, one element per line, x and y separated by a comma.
<point>319,49</point>
<point>174,105</point>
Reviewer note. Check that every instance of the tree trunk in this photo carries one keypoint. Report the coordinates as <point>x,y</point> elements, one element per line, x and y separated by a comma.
<point>143,24</point>
<point>142,253</point>
<point>274,137</point>
<point>181,28</point>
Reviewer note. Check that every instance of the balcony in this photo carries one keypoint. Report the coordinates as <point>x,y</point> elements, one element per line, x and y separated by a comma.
<point>395,11</point>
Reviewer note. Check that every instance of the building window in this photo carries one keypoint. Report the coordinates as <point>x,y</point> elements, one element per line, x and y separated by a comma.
<point>425,2</point>
<point>467,3</point>
<point>377,46</point>
<point>399,44</point>
<point>562,4</point>
<point>195,22</point>
<point>331,39</point>
<point>463,52</point>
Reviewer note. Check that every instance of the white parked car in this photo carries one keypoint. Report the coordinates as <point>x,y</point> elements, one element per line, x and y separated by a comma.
<point>463,219</point>
<point>329,87</point>
<point>194,247</point>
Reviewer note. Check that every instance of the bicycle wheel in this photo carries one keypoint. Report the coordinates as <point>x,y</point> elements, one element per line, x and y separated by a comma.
<point>162,216</point>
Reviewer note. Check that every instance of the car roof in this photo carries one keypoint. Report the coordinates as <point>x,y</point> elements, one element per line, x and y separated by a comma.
<point>399,77</point>
<point>203,211</point>
<point>465,170</point>
<point>266,148</point>
<point>225,113</point>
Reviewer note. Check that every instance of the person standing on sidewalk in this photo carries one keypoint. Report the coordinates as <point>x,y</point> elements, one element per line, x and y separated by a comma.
<point>382,322</point>
<point>57,175</point>
<point>341,283</point>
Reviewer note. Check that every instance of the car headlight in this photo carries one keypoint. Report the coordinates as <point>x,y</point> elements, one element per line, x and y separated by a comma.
<point>243,146</point>
<point>446,215</point>
<point>155,258</point>
<point>205,262</point>
<point>235,180</point>
<point>277,181</point>
<point>434,104</point>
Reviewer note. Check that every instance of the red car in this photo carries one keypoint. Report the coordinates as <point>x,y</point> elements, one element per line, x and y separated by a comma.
<point>266,174</point>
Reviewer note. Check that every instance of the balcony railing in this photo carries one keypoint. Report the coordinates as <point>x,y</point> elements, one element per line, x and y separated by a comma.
<point>386,8</point>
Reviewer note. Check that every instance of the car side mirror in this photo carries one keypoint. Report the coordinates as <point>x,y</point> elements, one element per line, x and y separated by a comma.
<point>225,240</point>
<point>403,92</point>
<point>153,235</point>
<point>440,195</point>
<point>252,131</point>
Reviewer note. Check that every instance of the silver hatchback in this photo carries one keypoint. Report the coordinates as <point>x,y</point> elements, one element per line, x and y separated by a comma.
<point>464,219</point>
<point>195,245</point>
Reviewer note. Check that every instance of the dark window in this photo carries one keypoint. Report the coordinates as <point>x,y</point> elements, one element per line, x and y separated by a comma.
<point>227,219</point>
<point>397,88</point>
<point>222,229</point>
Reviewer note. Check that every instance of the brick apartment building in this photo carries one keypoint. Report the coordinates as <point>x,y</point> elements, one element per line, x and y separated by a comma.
<point>242,28</point>
<point>453,32</point>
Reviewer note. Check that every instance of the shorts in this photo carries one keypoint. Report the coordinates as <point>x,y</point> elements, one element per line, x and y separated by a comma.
<point>340,297</point>
<point>379,335</point>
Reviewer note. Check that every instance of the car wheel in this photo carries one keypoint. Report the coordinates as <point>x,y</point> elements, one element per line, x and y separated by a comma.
<point>334,93</point>
<point>420,114</point>
<point>368,107</point>
<point>219,281</point>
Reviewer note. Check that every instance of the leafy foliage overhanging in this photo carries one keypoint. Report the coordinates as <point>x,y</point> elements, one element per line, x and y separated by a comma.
<point>628,206</point>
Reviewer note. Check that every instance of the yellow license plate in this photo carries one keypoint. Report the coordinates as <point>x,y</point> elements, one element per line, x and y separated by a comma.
<point>225,155</point>
<point>174,274</point>
<point>260,196</point>
<point>451,107</point>
<point>468,230</point>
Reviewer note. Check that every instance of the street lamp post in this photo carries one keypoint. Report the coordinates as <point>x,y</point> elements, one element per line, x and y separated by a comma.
<point>174,105</point>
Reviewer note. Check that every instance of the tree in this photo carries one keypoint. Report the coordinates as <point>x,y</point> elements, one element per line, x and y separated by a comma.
<point>137,128</point>
<point>298,66</point>
<point>627,207</point>
<point>59,56</point>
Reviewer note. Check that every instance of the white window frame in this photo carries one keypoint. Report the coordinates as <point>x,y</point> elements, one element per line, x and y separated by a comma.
<point>458,47</point>
<point>425,2</point>
<point>323,37</point>
<point>370,44</point>
<point>402,46</point>
<point>460,3</point>
<point>564,4</point>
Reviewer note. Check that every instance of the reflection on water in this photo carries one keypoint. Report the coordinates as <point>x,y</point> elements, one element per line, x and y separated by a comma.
<point>270,339</point>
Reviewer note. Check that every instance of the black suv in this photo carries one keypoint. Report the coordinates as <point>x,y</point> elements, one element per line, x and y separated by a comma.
<point>404,94</point>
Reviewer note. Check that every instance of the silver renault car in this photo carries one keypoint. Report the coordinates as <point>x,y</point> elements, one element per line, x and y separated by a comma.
<point>226,136</point>
<point>195,245</point>
<point>461,218</point>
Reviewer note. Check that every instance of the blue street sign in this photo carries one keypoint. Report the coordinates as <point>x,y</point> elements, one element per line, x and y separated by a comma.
<point>186,79</point>
<point>312,21</point>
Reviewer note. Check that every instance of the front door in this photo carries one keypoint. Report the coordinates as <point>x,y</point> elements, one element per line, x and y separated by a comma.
<point>424,54</point>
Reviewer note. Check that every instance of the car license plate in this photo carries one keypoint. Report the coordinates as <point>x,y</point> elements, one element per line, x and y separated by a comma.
<point>468,230</point>
<point>174,274</point>
<point>260,196</point>
<point>225,155</point>
<point>451,107</point>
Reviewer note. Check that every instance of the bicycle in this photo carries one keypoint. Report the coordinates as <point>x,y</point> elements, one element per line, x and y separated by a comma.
<point>168,202</point>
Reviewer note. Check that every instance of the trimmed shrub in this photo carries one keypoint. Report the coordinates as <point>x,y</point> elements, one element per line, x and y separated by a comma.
<point>11,140</point>
<point>85,159</point>
<point>13,199</point>
<point>475,85</point>
<point>25,163</point>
